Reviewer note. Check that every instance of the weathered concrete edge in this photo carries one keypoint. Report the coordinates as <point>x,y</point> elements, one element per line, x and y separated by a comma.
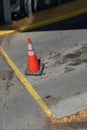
<point>44,23</point>
<point>7,33</point>
<point>53,20</point>
<point>69,106</point>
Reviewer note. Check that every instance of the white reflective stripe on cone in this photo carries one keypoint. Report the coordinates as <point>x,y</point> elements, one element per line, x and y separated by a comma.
<point>30,47</point>
<point>30,53</point>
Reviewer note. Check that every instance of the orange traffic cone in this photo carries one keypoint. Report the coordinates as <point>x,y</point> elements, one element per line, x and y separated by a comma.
<point>34,66</point>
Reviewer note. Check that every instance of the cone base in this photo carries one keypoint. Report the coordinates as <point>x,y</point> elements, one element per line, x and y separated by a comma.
<point>37,73</point>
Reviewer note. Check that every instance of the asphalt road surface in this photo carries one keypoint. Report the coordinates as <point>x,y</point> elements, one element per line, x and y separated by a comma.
<point>78,22</point>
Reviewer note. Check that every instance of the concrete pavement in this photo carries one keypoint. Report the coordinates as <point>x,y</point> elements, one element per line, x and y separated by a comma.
<point>63,85</point>
<point>18,110</point>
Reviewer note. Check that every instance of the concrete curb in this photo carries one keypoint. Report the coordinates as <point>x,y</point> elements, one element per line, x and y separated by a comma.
<point>6,33</point>
<point>44,23</point>
<point>70,106</point>
<point>53,20</point>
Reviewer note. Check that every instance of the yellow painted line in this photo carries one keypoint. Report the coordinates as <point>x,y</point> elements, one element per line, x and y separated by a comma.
<point>6,33</point>
<point>28,86</point>
<point>53,20</point>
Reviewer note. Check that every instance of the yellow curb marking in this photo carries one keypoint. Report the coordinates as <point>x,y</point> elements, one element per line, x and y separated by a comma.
<point>53,20</point>
<point>7,32</point>
<point>44,23</point>
<point>28,86</point>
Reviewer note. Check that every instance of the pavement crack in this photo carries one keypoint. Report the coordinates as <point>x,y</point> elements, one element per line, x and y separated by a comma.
<point>10,77</point>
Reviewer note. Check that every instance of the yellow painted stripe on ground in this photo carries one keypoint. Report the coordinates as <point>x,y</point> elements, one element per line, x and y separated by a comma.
<point>53,20</point>
<point>27,85</point>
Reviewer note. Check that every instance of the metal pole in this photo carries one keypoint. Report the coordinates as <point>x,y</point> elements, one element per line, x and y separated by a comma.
<point>35,5</point>
<point>29,8</point>
<point>6,12</point>
<point>22,5</point>
<point>1,12</point>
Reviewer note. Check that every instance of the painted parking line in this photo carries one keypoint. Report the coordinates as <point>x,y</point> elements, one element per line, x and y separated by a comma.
<point>53,20</point>
<point>28,86</point>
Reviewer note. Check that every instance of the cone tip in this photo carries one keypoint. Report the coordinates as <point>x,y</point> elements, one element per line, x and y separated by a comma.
<point>29,41</point>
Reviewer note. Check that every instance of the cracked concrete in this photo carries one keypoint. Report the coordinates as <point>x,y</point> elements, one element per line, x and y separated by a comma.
<point>61,86</point>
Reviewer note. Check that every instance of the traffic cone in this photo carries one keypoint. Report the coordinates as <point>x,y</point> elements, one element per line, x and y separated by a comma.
<point>34,66</point>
